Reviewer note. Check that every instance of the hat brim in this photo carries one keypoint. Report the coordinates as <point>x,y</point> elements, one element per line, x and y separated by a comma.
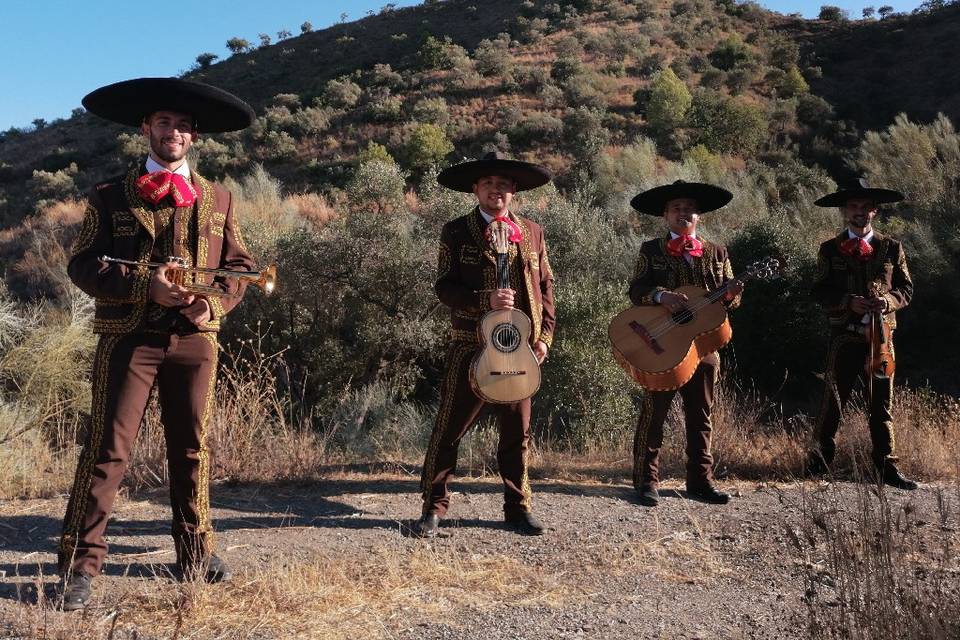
<point>878,196</point>
<point>653,201</point>
<point>462,177</point>
<point>129,102</point>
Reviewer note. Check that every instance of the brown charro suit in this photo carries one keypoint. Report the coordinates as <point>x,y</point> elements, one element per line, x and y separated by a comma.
<point>141,344</point>
<point>466,275</point>
<point>839,277</point>
<point>657,271</point>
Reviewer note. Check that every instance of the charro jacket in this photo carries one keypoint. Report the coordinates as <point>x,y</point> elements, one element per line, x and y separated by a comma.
<point>656,270</point>
<point>467,273</point>
<point>119,223</point>
<point>840,276</point>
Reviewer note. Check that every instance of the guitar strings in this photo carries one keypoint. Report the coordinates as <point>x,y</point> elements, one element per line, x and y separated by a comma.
<point>755,270</point>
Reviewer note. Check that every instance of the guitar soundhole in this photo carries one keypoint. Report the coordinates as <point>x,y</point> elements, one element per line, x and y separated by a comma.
<point>506,337</point>
<point>683,316</point>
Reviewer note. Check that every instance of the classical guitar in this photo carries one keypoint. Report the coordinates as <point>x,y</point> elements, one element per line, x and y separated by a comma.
<point>504,370</point>
<point>661,350</point>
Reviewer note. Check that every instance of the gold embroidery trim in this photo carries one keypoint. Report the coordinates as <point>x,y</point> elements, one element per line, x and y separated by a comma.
<point>88,229</point>
<point>77,504</point>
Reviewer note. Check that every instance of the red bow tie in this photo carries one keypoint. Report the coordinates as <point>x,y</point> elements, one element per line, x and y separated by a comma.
<point>856,248</point>
<point>155,186</point>
<point>685,245</point>
<point>515,234</point>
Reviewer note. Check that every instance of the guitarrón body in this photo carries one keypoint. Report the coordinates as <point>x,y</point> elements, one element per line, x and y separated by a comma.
<point>505,370</point>
<point>660,350</point>
<point>663,360</point>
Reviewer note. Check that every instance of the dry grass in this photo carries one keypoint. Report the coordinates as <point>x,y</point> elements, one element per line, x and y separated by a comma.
<point>372,592</point>
<point>324,596</point>
<point>876,569</point>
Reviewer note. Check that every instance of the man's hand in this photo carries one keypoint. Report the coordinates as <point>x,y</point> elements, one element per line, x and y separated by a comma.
<point>501,299</point>
<point>198,313</point>
<point>734,289</point>
<point>164,292</point>
<point>540,351</point>
<point>875,304</point>
<point>673,301</point>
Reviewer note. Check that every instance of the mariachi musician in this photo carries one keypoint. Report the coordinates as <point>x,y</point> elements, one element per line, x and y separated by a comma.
<point>152,329</point>
<point>467,283</point>
<point>862,281</point>
<point>676,259</point>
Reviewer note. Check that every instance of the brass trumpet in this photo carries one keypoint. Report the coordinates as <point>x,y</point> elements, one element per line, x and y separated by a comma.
<point>266,279</point>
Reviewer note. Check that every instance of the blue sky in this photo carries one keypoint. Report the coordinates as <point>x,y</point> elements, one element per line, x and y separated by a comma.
<point>56,51</point>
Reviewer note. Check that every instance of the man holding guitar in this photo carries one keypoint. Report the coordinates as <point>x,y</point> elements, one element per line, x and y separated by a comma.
<point>677,259</point>
<point>470,283</point>
<point>862,281</point>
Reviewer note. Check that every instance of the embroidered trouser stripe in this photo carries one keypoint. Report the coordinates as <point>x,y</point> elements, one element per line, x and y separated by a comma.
<point>78,504</point>
<point>125,369</point>
<point>697,395</point>
<point>844,369</point>
<point>458,412</point>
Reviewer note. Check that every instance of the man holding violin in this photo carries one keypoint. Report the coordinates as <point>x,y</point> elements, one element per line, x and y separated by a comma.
<point>862,281</point>
<point>153,328</point>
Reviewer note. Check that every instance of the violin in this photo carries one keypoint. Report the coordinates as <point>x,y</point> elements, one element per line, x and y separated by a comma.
<point>880,360</point>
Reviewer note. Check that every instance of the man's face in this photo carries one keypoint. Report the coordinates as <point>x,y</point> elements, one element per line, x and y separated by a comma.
<point>494,193</point>
<point>682,215</point>
<point>859,212</point>
<point>170,133</point>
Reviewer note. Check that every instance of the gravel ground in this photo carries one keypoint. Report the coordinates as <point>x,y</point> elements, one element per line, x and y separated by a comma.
<point>684,569</point>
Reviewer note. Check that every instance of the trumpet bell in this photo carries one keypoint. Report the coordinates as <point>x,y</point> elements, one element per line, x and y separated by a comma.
<point>268,279</point>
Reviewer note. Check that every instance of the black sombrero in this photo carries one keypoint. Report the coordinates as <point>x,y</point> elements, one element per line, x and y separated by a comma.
<point>708,197</point>
<point>859,189</point>
<point>129,102</point>
<point>461,177</point>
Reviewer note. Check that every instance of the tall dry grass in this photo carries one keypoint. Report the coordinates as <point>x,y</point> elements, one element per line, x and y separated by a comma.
<point>876,569</point>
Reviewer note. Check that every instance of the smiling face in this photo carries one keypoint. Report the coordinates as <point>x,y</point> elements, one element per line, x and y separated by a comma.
<point>171,135</point>
<point>859,213</point>
<point>494,193</point>
<point>682,215</point>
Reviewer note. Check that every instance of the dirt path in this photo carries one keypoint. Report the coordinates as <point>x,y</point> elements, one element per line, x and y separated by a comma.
<point>330,560</point>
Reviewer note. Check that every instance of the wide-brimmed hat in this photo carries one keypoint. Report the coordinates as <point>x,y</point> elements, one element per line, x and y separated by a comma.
<point>461,177</point>
<point>653,201</point>
<point>859,188</point>
<point>129,102</point>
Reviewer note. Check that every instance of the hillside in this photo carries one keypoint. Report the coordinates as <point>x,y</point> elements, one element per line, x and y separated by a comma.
<point>570,82</point>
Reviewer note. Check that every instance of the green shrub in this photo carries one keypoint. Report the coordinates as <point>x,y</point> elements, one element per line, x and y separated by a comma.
<point>426,147</point>
<point>341,94</point>
<point>730,53</point>
<point>668,102</point>
<point>727,125</point>
<point>441,54</point>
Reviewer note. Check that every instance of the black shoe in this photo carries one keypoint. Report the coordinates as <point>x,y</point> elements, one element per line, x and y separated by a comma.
<point>816,467</point>
<point>76,591</point>
<point>892,477</point>
<point>707,493</point>
<point>648,496</point>
<point>525,523</point>
<point>212,569</point>
<point>428,526</point>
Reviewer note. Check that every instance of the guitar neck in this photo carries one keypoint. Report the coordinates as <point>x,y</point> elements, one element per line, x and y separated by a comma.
<point>719,292</point>
<point>503,271</point>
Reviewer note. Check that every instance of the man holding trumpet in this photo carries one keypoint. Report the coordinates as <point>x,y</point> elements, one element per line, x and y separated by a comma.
<point>157,320</point>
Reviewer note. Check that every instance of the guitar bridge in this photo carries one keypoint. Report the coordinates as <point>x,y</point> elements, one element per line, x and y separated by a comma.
<point>649,340</point>
<point>508,373</point>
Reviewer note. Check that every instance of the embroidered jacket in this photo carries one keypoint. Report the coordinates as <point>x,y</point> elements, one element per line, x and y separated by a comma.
<point>656,270</point>
<point>121,224</point>
<point>467,273</point>
<point>840,276</point>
